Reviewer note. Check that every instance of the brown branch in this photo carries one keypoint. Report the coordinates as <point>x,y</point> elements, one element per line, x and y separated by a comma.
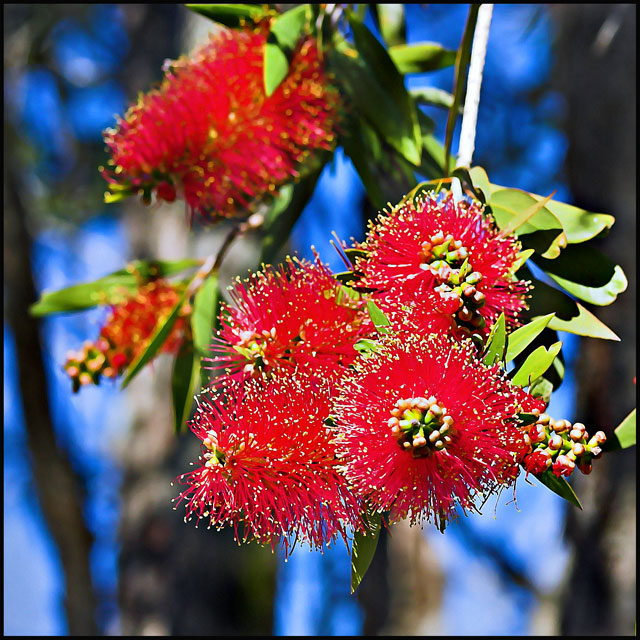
<point>57,486</point>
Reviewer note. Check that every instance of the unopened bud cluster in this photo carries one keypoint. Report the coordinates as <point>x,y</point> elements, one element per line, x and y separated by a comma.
<point>91,363</point>
<point>448,260</point>
<point>126,333</point>
<point>421,425</point>
<point>561,446</point>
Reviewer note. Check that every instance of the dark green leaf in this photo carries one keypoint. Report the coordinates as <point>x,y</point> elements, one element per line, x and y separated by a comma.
<point>363,549</point>
<point>203,317</point>
<point>403,131</point>
<point>624,435</point>
<point>559,486</point>
<point>157,339</point>
<point>522,337</point>
<point>494,350</point>
<point>378,318</point>
<point>391,23</point>
<point>586,273</point>
<point>284,213</point>
<point>184,384</point>
<point>421,57</point>
<point>230,15</point>
<point>463,57</point>
<point>536,364</point>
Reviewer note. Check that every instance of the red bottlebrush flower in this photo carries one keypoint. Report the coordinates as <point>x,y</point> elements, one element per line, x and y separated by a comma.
<point>268,465</point>
<point>296,316</point>
<point>125,334</point>
<point>424,426</point>
<point>210,134</point>
<point>435,247</point>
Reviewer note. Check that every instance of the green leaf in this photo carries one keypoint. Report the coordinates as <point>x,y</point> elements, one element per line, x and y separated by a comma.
<point>184,384</point>
<point>509,206</point>
<point>542,388</point>
<point>366,347</point>
<point>391,22</point>
<point>463,56</point>
<point>284,35</point>
<point>524,216</point>
<point>494,350</point>
<point>110,289</point>
<point>363,549</point>
<point>230,15</point>
<point>157,339</point>
<point>522,337</point>
<point>578,224</point>
<point>559,486</point>
<point>624,435</point>
<point>403,129</point>
<point>536,364</point>
<point>570,316</point>
<point>378,318</point>
<point>203,317</point>
<point>276,67</point>
<point>586,273</point>
<point>421,57</point>
<point>432,96</point>
<point>523,256</point>
<point>284,213</point>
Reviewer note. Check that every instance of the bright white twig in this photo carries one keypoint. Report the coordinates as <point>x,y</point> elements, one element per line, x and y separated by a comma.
<point>472,100</point>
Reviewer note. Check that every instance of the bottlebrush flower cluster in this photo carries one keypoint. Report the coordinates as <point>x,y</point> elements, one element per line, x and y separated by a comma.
<point>210,135</point>
<point>125,334</point>
<point>316,415</point>
<point>447,262</point>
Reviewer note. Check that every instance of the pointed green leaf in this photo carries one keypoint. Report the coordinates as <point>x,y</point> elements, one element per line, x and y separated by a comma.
<point>494,350</point>
<point>230,15</point>
<point>559,486</point>
<point>536,364</point>
<point>624,435</point>
<point>203,317</point>
<point>524,216</point>
<point>110,289</point>
<point>378,318</point>
<point>421,57</point>
<point>522,337</point>
<point>157,339</point>
<point>284,35</point>
<point>570,316</point>
<point>403,132</point>
<point>391,22</point>
<point>586,273</point>
<point>523,256</point>
<point>432,96</point>
<point>184,384</point>
<point>363,549</point>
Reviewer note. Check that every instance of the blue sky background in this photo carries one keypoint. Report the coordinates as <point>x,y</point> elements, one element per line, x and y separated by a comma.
<point>518,142</point>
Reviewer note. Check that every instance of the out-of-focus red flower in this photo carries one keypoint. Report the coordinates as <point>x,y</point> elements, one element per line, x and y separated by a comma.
<point>295,316</point>
<point>424,427</point>
<point>447,262</point>
<point>268,467</point>
<point>125,334</point>
<point>210,135</point>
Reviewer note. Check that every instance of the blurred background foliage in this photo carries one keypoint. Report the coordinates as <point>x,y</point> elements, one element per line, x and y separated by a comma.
<point>91,544</point>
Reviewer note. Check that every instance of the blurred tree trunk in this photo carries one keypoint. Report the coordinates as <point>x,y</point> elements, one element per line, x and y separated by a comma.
<point>596,53</point>
<point>59,489</point>
<point>175,579</point>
